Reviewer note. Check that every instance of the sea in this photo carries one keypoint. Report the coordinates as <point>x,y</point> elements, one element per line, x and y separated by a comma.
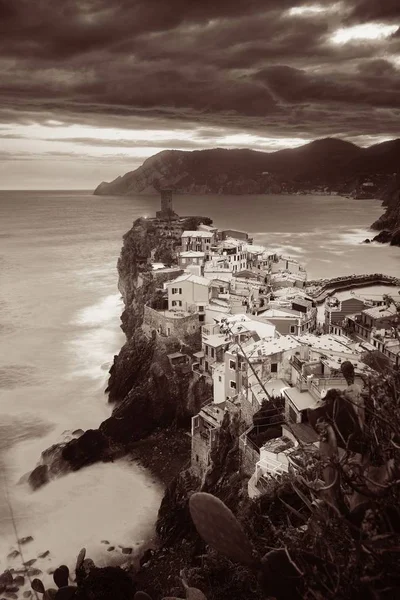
<point>60,329</point>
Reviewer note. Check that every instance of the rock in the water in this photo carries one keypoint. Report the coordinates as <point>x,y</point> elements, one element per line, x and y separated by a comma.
<point>395,241</point>
<point>29,563</point>
<point>44,554</point>
<point>92,446</point>
<point>383,237</point>
<point>39,476</point>
<point>13,554</point>
<point>126,550</point>
<point>25,540</point>
<point>367,241</point>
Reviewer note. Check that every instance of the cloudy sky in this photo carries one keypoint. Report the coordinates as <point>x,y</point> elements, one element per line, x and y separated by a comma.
<point>91,88</point>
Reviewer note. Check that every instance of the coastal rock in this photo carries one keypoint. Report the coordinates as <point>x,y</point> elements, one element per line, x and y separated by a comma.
<point>395,241</point>
<point>146,391</point>
<point>366,241</point>
<point>91,447</point>
<point>39,476</point>
<point>384,237</point>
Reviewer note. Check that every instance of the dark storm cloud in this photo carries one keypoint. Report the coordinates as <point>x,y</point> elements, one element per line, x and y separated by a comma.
<point>375,10</point>
<point>240,65</point>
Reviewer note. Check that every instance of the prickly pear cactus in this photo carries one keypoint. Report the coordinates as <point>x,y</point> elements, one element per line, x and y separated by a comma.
<point>61,576</point>
<point>219,528</point>
<point>141,596</point>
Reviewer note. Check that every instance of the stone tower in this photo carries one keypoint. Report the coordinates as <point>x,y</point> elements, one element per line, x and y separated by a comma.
<point>166,212</point>
<point>166,201</point>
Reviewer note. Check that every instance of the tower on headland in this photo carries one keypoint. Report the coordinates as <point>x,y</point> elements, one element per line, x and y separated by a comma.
<point>166,212</point>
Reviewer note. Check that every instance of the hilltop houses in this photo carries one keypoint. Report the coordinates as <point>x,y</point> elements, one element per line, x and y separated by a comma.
<point>256,344</point>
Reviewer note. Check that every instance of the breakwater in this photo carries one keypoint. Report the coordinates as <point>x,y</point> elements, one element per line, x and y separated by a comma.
<point>320,289</point>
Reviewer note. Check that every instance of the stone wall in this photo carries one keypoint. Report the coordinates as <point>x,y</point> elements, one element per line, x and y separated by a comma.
<point>249,455</point>
<point>167,325</point>
<point>200,454</point>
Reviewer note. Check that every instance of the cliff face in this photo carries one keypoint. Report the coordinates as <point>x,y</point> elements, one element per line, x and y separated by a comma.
<point>323,165</point>
<point>389,223</point>
<point>147,391</point>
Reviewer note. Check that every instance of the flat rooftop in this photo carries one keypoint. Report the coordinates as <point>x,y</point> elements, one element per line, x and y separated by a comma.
<point>301,400</point>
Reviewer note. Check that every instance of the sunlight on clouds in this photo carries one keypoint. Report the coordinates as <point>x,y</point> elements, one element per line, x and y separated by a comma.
<point>367,31</point>
<point>258,142</point>
<point>312,9</point>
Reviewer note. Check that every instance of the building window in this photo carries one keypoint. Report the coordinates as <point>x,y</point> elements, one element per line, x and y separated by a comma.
<point>212,352</point>
<point>232,365</point>
<point>274,367</point>
<point>219,378</point>
<point>197,458</point>
<point>232,385</point>
<point>292,329</point>
<point>201,308</point>
<point>202,318</point>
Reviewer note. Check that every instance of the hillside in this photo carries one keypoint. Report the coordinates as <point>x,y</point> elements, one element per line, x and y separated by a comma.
<point>389,223</point>
<point>328,165</point>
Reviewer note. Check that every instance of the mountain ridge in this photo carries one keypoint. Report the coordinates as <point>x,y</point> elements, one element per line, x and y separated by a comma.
<point>328,165</point>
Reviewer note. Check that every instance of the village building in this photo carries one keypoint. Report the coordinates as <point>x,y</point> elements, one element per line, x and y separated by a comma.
<point>377,330</point>
<point>205,428</point>
<point>237,235</point>
<point>258,371</point>
<point>286,263</point>
<point>260,258</point>
<point>188,293</point>
<point>198,241</point>
<point>285,279</point>
<point>282,454</point>
<point>291,322</point>
<point>192,260</point>
<point>336,310</point>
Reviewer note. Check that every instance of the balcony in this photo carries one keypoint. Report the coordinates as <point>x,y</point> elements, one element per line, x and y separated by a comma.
<point>297,363</point>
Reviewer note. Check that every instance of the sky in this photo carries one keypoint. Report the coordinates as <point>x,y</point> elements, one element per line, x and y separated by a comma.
<point>91,88</point>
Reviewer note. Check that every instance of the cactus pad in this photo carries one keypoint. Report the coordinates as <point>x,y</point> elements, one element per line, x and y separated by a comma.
<point>38,586</point>
<point>219,528</point>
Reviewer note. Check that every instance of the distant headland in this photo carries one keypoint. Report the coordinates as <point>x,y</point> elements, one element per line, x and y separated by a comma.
<point>325,166</point>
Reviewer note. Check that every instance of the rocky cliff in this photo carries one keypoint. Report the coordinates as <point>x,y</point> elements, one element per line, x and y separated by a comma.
<point>146,391</point>
<point>327,165</point>
<point>389,223</point>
